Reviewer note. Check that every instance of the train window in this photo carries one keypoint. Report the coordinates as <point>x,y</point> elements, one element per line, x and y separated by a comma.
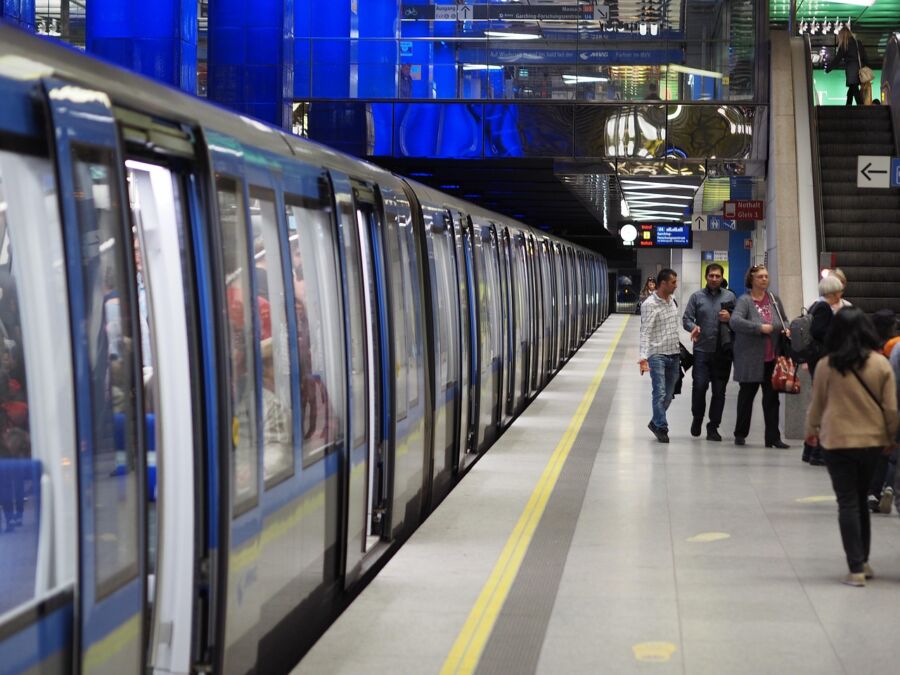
<point>443,261</point>
<point>271,306</point>
<point>397,271</point>
<point>411,295</point>
<point>356,321</point>
<point>320,335</point>
<point>494,294</point>
<point>112,373</point>
<point>244,484</point>
<point>37,441</point>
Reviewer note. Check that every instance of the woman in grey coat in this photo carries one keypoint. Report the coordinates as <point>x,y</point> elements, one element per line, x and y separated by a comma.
<point>757,324</point>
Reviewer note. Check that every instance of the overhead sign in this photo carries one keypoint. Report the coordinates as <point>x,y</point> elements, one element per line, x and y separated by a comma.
<point>895,172</point>
<point>872,171</point>
<point>571,56</point>
<point>715,222</point>
<point>699,222</point>
<point>444,12</point>
<point>664,235</point>
<point>485,12</point>
<point>743,209</point>
<point>601,12</point>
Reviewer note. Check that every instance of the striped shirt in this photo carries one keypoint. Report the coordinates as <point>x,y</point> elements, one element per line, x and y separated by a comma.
<point>659,327</point>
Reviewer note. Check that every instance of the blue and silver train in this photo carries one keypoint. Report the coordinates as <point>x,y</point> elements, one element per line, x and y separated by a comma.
<point>237,369</point>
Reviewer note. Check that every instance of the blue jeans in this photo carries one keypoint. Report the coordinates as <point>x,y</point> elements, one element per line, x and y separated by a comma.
<point>664,371</point>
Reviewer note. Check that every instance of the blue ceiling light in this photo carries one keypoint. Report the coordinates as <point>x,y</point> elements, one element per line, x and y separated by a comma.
<point>449,187</point>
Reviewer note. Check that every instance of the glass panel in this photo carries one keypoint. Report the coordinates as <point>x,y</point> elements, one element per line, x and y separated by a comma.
<point>245,486</point>
<point>515,130</point>
<point>37,549</point>
<point>317,302</point>
<point>357,338</point>
<point>278,446</point>
<point>397,271</point>
<point>412,302</point>
<point>438,130</point>
<point>107,316</point>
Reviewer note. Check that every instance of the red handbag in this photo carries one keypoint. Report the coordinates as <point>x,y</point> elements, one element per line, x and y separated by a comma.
<point>784,377</point>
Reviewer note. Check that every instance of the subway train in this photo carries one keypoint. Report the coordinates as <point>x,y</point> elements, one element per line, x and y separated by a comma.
<point>237,369</point>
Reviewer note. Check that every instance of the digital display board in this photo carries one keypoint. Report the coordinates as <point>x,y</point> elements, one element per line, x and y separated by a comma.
<point>664,235</point>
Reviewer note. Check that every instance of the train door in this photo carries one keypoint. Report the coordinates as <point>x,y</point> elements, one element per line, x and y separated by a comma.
<point>510,350</point>
<point>536,306</point>
<point>170,369</point>
<point>468,410</point>
<point>521,321</point>
<point>111,460</point>
<point>548,284</point>
<point>369,229</point>
<point>39,544</point>
<point>445,317</point>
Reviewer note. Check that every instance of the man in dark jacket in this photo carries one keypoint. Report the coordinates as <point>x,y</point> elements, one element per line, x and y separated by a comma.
<point>706,317</point>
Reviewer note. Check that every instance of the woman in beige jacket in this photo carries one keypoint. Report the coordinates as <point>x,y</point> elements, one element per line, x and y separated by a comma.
<point>853,416</point>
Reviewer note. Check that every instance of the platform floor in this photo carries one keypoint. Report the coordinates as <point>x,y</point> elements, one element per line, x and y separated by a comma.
<point>695,557</point>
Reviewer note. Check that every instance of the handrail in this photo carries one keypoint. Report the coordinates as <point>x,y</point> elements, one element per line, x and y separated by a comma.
<point>814,145</point>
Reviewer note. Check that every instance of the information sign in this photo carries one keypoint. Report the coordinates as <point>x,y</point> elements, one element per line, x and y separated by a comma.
<point>872,171</point>
<point>601,12</point>
<point>663,235</point>
<point>895,172</point>
<point>745,209</point>
<point>715,222</point>
<point>445,12</point>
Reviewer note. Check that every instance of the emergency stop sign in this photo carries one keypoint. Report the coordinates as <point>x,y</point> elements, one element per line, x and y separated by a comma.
<point>747,209</point>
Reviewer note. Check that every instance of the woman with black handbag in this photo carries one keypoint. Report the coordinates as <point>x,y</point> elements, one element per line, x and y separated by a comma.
<point>853,417</point>
<point>758,325</point>
<point>852,55</point>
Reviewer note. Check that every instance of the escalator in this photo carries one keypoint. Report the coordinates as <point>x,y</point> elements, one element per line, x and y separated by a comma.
<point>860,227</point>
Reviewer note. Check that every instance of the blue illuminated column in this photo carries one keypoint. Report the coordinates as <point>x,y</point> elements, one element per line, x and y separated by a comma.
<point>18,12</point>
<point>251,68</point>
<point>378,32</point>
<point>157,39</point>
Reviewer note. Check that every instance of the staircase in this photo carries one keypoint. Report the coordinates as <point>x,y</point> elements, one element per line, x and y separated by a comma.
<point>862,227</point>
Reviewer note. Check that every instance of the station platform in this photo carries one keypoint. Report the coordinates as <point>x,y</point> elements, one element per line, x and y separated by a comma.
<point>579,544</point>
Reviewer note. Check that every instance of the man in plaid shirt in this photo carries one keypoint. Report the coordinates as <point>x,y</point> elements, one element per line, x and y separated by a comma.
<point>661,349</point>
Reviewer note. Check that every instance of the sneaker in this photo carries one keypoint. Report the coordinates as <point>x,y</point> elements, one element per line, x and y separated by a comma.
<point>712,434</point>
<point>855,579</point>
<point>662,435</point>
<point>887,500</point>
<point>874,504</point>
<point>696,427</point>
<point>868,572</point>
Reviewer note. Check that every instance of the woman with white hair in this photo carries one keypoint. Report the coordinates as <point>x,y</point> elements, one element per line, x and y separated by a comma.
<point>830,302</point>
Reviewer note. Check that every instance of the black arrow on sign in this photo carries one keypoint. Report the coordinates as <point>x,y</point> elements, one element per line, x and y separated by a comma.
<point>868,168</point>
<point>465,12</point>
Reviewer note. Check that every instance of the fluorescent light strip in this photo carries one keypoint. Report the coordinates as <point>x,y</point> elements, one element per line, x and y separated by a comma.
<point>651,185</point>
<point>675,67</point>
<point>500,35</point>
<point>656,195</point>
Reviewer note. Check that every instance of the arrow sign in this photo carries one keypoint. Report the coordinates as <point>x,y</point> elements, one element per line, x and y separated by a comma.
<point>601,13</point>
<point>464,13</point>
<point>872,171</point>
<point>699,221</point>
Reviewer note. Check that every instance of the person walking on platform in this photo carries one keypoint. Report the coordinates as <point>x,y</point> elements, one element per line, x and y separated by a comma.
<point>758,323</point>
<point>661,349</point>
<point>853,416</point>
<point>706,318</point>
<point>852,55</point>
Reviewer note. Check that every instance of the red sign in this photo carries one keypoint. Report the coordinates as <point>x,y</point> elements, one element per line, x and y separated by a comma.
<point>748,209</point>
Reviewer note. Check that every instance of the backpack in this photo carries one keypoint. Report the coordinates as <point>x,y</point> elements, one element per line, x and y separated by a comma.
<point>803,346</point>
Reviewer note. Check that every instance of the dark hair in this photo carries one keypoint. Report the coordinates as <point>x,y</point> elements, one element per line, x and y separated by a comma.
<point>850,338</point>
<point>884,321</point>
<point>665,274</point>
<point>748,279</point>
<point>715,266</point>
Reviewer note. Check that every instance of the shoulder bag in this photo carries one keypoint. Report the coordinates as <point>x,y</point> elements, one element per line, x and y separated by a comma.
<point>784,377</point>
<point>866,387</point>
<point>865,73</point>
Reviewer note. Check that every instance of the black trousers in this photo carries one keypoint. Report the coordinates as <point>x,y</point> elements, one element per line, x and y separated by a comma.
<point>704,376</point>
<point>770,405</point>
<point>853,92</point>
<point>851,472</point>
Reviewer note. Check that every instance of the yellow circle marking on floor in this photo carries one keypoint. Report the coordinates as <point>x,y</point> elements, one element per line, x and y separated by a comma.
<point>654,652</point>
<point>705,537</point>
<point>816,499</point>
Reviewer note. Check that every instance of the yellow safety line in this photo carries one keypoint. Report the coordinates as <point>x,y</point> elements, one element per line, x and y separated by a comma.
<point>473,637</point>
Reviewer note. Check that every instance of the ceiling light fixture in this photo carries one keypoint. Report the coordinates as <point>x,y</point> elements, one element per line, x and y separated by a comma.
<point>500,35</point>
